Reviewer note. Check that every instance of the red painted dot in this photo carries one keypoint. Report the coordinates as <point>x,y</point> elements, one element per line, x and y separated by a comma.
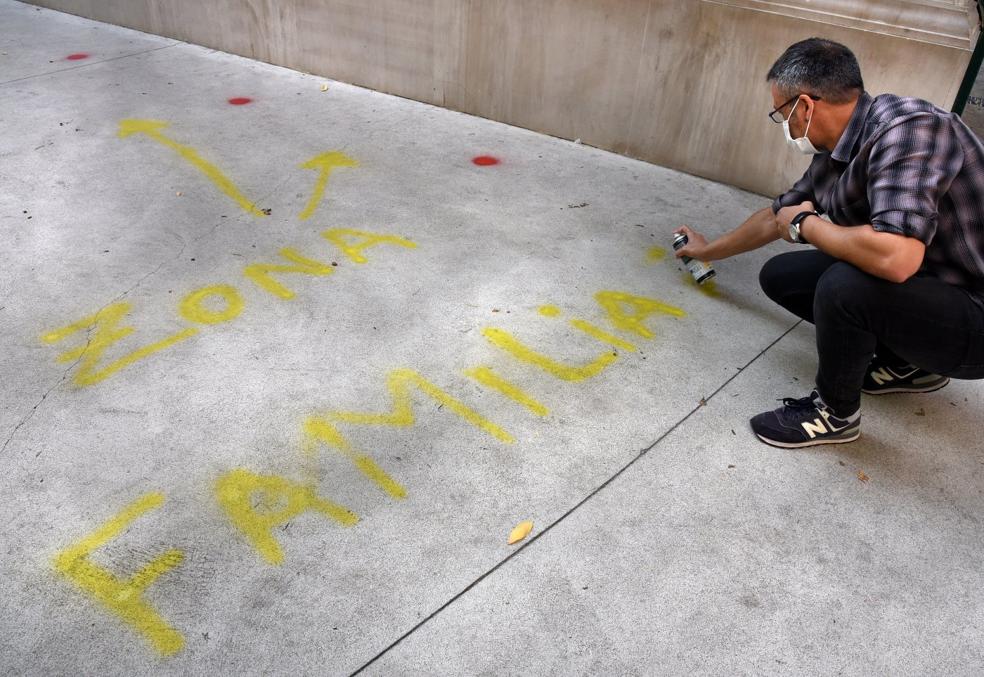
<point>240,100</point>
<point>77,57</point>
<point>485,160</point>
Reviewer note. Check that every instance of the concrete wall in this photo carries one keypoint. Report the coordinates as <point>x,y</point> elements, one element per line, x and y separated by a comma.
<point>676,82</point>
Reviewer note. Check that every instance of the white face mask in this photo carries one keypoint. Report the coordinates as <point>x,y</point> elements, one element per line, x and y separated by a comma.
<point>801,144</point>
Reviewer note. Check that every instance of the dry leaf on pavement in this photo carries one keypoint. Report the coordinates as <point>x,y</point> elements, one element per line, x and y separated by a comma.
<point>521,531</point>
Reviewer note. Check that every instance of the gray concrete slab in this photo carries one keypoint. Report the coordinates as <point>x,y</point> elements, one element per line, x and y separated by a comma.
<point>67,42</point>
<point>716,555</point>
<point>210,432</point>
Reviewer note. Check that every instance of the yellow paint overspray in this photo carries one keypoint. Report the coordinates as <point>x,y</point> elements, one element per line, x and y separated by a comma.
<point>102,331</point>
<point>592,330</point>
<point>509,343</point>
<point>596,332</point>
<point>260,272</point>
<point>257,504</point>
<point>343,239</point>
<point>708,288</point>
<point>488,378</point>
<point>616,303</point>
<point>124,597</point>
<point>398,383</point>
<point>322,428</point>
<point>325,163</point>
<point>194,309</point>
<point>656,254</point>
<point>153,128</point>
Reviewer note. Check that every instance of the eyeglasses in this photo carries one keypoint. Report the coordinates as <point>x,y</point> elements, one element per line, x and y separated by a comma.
<point>777,117</point>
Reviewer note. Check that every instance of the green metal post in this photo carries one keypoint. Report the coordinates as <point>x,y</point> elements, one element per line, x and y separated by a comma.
<point>972,70</point>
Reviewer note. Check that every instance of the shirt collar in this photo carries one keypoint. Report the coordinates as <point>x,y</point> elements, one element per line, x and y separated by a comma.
<point>842,153</point>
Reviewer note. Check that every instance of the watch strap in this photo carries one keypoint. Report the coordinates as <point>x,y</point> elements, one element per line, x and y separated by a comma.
<point>797,220</point>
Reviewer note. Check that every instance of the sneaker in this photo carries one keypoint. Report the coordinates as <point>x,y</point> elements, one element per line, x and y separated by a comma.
<point>804,423</point>
<point>881,380</point>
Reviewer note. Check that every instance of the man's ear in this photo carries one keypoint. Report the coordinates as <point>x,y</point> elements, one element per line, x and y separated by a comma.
<point>809,106</point>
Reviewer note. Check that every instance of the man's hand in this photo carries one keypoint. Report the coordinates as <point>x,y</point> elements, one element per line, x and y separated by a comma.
<point>786,215</point>
<point>757,230</point>
<point>889,256</point>
<point>696,244</point>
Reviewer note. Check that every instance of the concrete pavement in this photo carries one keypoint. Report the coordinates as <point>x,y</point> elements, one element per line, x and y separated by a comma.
<point>285,362</point>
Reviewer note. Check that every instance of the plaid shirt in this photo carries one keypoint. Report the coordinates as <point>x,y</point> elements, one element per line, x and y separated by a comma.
<point>906,167</point>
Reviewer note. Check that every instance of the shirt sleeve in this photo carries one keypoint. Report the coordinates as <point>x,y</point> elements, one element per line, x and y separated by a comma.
<point>802,191</point>
<point>910,168</point>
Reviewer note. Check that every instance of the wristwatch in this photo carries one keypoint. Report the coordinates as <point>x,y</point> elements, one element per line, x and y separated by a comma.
<point>794,227</point>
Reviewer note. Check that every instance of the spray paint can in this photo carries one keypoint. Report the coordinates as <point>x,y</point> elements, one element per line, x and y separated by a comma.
<point>701,270</point>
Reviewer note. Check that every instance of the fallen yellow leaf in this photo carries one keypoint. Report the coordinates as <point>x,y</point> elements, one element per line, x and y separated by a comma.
<point>862,476</point>
<point>324,87</point>
<point>521,531</point>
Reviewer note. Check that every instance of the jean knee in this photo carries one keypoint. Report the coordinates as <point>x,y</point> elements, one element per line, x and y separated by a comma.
<point>842,287</point>
<point>774,277</point>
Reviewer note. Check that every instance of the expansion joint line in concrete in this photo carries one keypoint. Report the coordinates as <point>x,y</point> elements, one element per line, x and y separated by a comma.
<point>34,409</point>
<point>85,349</point>
<point>146,276</point>
<point>578,505</point>
<point>88,64</point>
<point>264,199</point>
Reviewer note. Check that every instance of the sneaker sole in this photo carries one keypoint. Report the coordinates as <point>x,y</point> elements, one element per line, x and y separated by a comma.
<point>908,389</point>
<point>812,443</point>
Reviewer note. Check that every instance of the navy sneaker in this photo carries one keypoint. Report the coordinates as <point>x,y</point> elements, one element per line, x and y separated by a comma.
<point>804,423</point>
<point>881,379</point>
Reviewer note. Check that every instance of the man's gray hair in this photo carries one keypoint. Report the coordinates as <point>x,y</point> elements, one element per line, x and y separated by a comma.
<point>819,67</point>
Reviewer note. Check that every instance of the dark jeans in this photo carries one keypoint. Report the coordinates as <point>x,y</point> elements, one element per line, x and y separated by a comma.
<point>922,321</point>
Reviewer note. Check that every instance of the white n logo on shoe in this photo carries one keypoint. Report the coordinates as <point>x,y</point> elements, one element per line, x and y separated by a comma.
<point>821,426</point>
<point>882,376</point>
<point>885,375</point>
<point>814,428</point>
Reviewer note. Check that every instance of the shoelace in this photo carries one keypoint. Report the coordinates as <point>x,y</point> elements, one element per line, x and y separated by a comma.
<point>799,403</point>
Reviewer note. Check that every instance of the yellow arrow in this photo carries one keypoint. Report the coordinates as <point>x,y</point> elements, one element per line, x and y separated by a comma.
<point>324,163</point>
<point>153,129</point>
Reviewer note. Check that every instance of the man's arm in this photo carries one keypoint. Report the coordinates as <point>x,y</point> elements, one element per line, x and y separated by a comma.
<point>910,167</point>
<point>889,256</point>
<point>758,230</point>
